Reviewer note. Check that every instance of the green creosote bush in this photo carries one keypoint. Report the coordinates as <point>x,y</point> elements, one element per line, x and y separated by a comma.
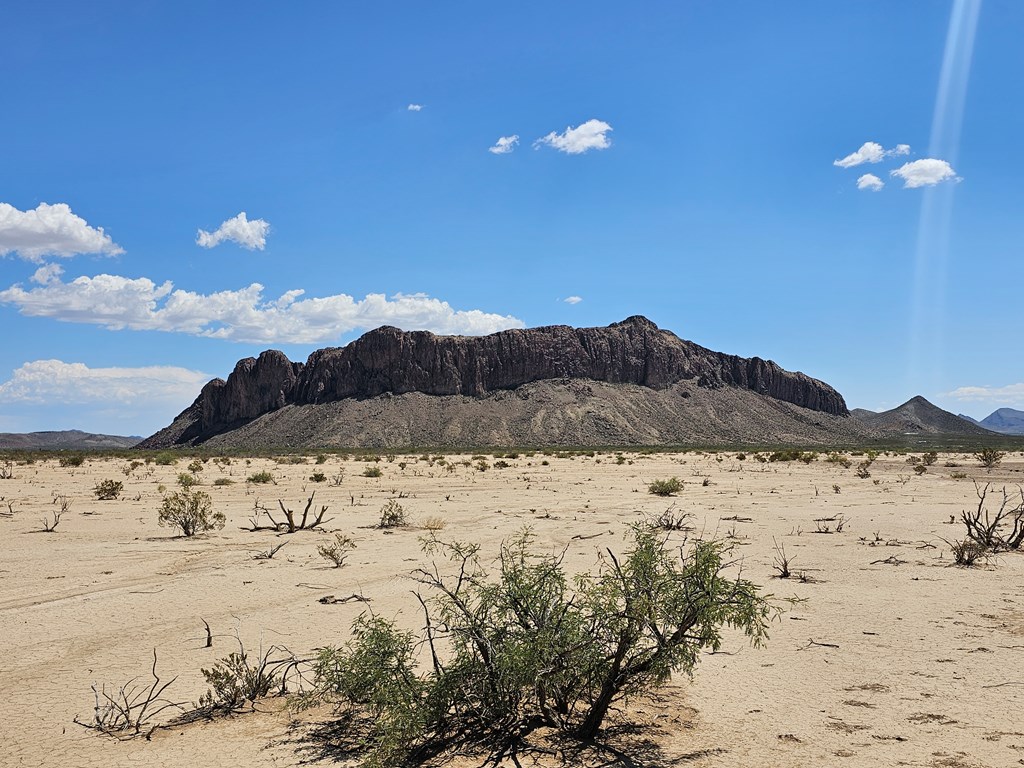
<point>223,481</point>
<point>191,512</point>
<point>337,550</point>
<point>235,680</point>
<point>373,471</point>
<point>668,487</point>
<point>195,466</point>
<point>74,460</point>
<point>392,515</point>
<point>318,477</point>
<point>521,649</point>
<point>186,480</point>
<point>989,457</point>
<point>108,490</point>
<point>261,477</point>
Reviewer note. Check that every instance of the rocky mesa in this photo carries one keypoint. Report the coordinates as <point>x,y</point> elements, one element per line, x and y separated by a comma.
<point>630,382</point>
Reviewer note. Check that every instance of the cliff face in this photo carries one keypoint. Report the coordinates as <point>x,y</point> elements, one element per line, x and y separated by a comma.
<point>388,360</point>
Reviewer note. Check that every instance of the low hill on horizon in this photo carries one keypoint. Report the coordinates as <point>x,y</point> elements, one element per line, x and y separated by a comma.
<point>918,416</point>
<point>65,440</point>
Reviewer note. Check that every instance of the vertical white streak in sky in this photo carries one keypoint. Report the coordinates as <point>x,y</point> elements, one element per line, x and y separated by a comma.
<point>932,252</point>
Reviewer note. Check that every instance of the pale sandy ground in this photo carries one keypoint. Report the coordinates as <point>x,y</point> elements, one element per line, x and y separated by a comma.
<point>929,668</point>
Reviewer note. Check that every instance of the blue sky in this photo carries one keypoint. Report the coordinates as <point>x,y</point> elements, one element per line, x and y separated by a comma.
<point>676,160</point>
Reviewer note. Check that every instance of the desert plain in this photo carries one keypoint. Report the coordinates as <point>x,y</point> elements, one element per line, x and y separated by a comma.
<point>884,652</point>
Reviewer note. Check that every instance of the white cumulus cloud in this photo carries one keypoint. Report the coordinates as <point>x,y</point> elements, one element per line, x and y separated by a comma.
<point>1012,394</point>
<point>242,315</point>
<point>870,181</point>
<point>592,134</point>
<point>47,273</point>
<point>573,299</point>
<point>504,145</point>
<point>51,230</point>
<point>54,381</point>
<point>415,107</point>
<point>238,229</point>
<point>926,172</point>
<point>871,152</point>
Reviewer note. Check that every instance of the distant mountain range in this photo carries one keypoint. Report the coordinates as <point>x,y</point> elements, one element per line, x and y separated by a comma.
<point>1006,421</point>
<point>68,440</point>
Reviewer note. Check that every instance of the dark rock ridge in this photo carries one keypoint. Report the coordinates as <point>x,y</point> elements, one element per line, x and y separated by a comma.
<point>387,361</point>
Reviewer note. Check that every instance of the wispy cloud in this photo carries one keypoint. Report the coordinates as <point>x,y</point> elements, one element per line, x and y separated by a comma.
<point>51,230</point>
<point>926,172</point>
<point>1010,394</point>
<point>870,181</point>
<point>415,108</point>
<point>573,299</point>
<point>504,145</point>
<point>242,315</point>
<point>592,134</point>
<point>54,381</point>
<point>238,229</point>
<point>871,152</point>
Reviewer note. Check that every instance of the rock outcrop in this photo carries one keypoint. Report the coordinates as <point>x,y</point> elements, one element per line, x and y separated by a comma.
<point>390,362</point>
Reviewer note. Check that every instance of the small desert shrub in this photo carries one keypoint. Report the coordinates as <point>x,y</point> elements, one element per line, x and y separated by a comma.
<point>967,552</point>
<point>863,470</point>
<point>501,464</point>
<point>392,515</point>
<point>434,523</point>
<point>670,520</point>
<point>74,460</point>
<point>165,459</point>
<point>191,512</point>
<point>235,680</point>
<point>108,490</point>
<point>186,480</point>
<point>195,466</point>
<point>223,481</point>
<point>318,477</point>
<point>929,458</point>
<point>668,487</point>
<point>482,465</point>
<point>835,457</point>
<point>373,471</point>
<point>321,458</point>
<point>262,477</point>
<point>920,469</point>
<point>989,457</point>
<point>337,550</point>
<point>785,455</point>
<point>130,467</point>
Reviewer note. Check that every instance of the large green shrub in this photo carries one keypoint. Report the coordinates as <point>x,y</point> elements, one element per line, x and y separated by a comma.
<point>521,649</point>
<point>669,487</point>
<point>191,512</point>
